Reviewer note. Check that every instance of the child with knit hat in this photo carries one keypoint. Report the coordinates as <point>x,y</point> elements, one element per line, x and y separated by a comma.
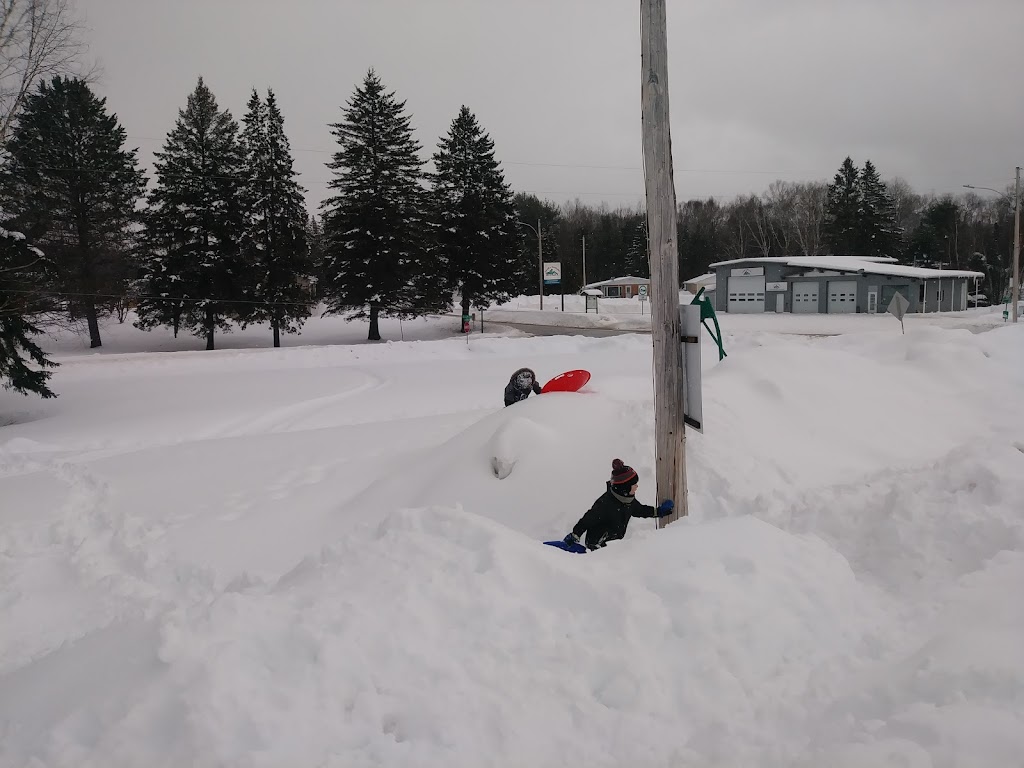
<point>609,516</point>
<point>522,383</point>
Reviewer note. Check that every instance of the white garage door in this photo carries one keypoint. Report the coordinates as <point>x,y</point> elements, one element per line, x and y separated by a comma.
<point>746,294</point>
<point>842,297</point>
<point>805,298</point>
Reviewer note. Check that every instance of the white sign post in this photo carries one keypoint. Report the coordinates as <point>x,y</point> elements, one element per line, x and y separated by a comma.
<point>693,407</point>
<point>552,272</point>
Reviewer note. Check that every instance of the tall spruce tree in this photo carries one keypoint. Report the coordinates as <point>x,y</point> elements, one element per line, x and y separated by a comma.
<point>317,245</point>
<point>843,211</point>
<point>880,233</point>
<point>477,233</point>
<point>379,259</point>
<point>23,366</point>
<point>70,185</point>
<point>274,246</point>
<point>193,275</point>
<point>638,255</point>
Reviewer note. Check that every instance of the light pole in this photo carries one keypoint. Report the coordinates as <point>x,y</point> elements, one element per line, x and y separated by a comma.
<point>989,189</point>
<point>540,257</point>
<point>1015,287</point>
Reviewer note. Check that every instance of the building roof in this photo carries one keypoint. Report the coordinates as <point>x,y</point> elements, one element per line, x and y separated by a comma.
<point>708,279</point>
<point>627,280</point>
<point>875,265</point>
<point>694,284</point>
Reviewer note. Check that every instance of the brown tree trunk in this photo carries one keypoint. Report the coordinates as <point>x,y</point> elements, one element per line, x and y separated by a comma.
<point>374,334</point>
<point>94,325</point>
<point>209,328</point>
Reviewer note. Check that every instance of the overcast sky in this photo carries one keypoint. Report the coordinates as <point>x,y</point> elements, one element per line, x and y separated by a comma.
<point>930,90</point>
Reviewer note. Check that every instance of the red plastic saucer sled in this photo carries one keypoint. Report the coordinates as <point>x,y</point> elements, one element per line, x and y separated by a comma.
<point>570,381</point>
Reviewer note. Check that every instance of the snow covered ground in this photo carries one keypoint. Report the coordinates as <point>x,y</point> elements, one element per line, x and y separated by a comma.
<point>634,315</point>
<point>119,338</point>
<point>302,556</point>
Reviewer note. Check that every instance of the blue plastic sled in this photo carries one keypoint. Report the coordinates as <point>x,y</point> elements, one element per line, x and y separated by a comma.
<point>576,549</point>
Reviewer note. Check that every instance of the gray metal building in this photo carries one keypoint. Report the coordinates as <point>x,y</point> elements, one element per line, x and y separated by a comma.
<point>837,285</point>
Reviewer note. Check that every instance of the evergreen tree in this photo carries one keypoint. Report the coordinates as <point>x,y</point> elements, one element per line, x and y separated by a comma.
<point>477,235</point>
<point>843,211</point>
<point>702,235</point>
<point>23,366</point>
<point>274,246</point>
<point>379,258</point>
<point>934,240</point>
<point>880,233</point>
<point>317,245</point>
<point>638,255</point>
<point>70,185</point>
<point>193,276</point>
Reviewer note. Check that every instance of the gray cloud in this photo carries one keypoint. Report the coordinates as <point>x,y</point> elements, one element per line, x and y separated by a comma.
<point>761,89</point>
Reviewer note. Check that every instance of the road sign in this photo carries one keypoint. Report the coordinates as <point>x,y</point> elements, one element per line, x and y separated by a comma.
<point>693,408</point>
<point>552,272</point>
<point>898,308</point>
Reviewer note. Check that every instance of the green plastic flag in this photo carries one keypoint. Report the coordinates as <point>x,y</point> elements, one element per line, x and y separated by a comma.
<point>707,312</point>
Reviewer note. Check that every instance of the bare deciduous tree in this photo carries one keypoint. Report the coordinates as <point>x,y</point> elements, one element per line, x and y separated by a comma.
<point>781,201</point>
<point>38,39</point>
<point>809,217</point>
<point>756,215</point>
<point>907,204</point>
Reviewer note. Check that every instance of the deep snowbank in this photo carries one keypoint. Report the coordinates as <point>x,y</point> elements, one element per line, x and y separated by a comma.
<point>305,557</point>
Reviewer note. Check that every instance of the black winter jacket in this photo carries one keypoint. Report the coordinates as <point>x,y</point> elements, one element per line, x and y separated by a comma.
<point>608,518</point>
<point>513,394</point>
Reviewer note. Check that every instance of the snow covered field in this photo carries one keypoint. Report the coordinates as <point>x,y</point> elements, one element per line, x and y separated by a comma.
<point>259,557</point>
<point>634,315</point>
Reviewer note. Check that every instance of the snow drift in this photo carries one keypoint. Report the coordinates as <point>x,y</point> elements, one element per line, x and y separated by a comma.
<point>306,557</point>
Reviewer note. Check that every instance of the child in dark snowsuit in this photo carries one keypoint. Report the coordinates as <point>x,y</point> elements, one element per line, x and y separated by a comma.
<point>608,518</point>
<point>520,385</point>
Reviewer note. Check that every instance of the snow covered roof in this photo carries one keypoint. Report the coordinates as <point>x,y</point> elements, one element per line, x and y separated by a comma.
<point>875,265</point>
<point>627,280</point>
<point>704,281</point>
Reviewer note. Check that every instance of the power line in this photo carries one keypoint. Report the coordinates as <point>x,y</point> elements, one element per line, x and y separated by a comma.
<point>595,166</point>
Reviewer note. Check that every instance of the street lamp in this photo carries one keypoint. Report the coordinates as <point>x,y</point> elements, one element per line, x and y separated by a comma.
<point>971,186</point>
<point>1015,288</point>
<point>540,257</point>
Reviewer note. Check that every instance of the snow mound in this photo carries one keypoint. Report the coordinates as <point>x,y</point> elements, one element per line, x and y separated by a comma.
<point>525,465</point>
<point>436,638</point>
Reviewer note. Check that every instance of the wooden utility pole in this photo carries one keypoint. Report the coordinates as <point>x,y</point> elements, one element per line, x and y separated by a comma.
<point>669,430</point>
<point>540,262</point>
<point>584,261</point>
<point>1015,291</point>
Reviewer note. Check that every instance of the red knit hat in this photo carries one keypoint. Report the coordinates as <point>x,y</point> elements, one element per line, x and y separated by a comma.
<point>623,477</point>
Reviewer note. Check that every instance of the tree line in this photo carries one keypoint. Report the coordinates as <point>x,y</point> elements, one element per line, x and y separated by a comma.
<point>223,236</point>
<point>856,214</point>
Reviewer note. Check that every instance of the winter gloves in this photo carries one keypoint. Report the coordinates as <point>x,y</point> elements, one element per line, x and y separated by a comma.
<point>666,508</point>
<point>571,539</point>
